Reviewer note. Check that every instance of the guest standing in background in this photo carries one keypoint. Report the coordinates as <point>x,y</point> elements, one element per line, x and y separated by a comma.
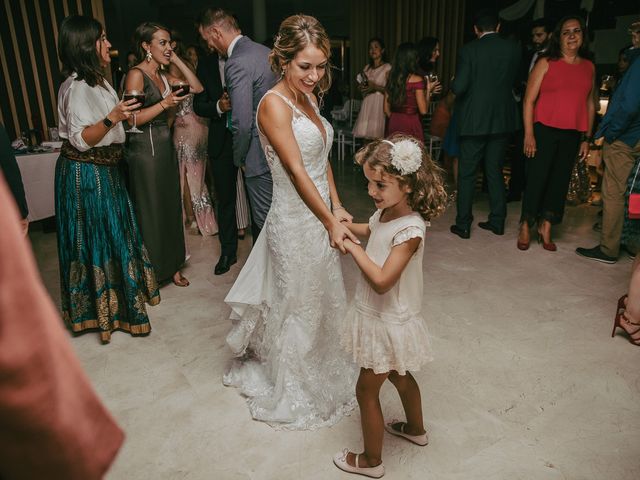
<point>248,76</point>
<point>486,73</point>
<point>558,115</point>
<point>190,132</point>
<point>619,137</point>
<point>370,121</point>
<point>154,182</point>
<point>213,103</point>
<point>428,54</point>
<point>105,273</point>
<point>405,97</point>
<point>9,167</point>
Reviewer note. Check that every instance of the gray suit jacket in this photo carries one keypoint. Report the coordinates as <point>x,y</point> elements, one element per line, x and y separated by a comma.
<point>248,76</point>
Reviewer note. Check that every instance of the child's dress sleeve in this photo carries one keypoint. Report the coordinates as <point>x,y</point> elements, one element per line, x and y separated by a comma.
<point>406,234</point>
<point>374,219</point>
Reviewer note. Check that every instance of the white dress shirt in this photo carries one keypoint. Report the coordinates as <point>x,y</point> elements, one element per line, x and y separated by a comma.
<point>80,106</point>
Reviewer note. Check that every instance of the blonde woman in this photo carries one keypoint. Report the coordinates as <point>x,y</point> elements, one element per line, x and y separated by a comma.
<point>289,298</point>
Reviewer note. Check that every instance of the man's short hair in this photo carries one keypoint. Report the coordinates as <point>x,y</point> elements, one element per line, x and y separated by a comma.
<point>218,17</point>
<point>544,23</point>
<point>486,20</point>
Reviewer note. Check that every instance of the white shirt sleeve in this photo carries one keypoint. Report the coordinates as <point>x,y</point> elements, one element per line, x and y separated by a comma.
<point>80,106</point>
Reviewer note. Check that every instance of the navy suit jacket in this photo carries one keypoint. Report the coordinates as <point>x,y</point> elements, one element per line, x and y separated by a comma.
<point>486,73</point>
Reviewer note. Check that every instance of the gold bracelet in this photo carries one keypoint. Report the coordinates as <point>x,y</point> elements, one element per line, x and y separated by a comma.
<point>339,207</point>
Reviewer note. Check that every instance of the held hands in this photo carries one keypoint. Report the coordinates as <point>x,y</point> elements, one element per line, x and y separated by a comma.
<point>342,215</point>
<point>529,145</point>
<point>124,110</point>
<point>338,233</point>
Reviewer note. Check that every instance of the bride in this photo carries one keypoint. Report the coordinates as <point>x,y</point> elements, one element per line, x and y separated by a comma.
<point>289,298</point>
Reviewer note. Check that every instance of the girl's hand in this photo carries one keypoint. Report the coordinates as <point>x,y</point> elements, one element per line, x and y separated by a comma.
<point>123,110</point>
<point>529,145</point>
<point>584,150</point>
<point>342,215</point>
<point>337,235</point>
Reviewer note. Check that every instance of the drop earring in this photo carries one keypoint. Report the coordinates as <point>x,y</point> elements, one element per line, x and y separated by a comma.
<point>148,56</point>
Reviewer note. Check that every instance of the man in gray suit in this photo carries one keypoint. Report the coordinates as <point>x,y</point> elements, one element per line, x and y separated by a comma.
<point>485,75</point>
<point>248,76</point>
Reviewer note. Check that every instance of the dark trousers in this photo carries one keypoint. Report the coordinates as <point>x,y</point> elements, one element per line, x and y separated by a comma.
<point>224,180</point>
<point>473,148</point>
<point>259,191</point>
<point>518,166</point>
<point>549,173</point>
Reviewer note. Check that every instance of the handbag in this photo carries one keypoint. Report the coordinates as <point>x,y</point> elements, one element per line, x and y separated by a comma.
<point>634,198</point>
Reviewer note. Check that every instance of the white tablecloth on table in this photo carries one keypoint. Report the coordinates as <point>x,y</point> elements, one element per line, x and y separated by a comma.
<point>38,174</point>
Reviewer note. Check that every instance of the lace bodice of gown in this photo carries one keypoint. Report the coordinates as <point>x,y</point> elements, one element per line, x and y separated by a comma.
<point>288,301</point>
<point>313,148</point>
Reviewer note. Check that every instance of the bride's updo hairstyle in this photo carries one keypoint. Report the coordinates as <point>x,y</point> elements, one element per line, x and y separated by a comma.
<point>295,34</point>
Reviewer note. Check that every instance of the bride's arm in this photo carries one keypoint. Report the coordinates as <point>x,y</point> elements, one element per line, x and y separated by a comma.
<point>274,118</point>
<point>337,208</point>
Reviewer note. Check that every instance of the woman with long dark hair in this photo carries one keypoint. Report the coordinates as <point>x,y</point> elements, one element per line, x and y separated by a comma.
<point>558,116</point>
<point>428,54</point>
<point>105,273</point>
<point>154,182</point>
<point>370,122</point>
<point>405,98</point>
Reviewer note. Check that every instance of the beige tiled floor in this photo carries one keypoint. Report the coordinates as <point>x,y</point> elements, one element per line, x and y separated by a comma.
<point>526,384</point>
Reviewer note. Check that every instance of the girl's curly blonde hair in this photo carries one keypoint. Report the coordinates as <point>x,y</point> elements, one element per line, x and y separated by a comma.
<point>427,194</point>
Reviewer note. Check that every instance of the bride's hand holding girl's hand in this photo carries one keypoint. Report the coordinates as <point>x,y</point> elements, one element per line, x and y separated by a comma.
<point>342,215</point>
<point>337,235</point>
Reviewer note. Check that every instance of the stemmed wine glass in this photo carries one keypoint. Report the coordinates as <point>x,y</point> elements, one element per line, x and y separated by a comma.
<point>139,97</point>
<point>184,86</point>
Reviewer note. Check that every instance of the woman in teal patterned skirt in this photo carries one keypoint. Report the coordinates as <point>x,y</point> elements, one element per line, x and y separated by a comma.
<point>106,277</point>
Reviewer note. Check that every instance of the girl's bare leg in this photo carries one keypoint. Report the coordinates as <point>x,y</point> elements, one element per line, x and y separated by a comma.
<point>368,395</point>
<point>411,401</point>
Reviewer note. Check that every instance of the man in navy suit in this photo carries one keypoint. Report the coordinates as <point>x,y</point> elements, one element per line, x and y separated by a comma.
<point>486,73</point>
<point>213,104</point>
<point>248,76</point>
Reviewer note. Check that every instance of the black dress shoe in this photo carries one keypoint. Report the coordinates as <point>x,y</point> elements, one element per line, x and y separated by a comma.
<point>224,264</point>
<point>461,232</point>
<point>491,228</point>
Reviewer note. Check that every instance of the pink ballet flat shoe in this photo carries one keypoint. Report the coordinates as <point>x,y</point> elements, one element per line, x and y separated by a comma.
<point>340,461</point>
<point>421,440</point>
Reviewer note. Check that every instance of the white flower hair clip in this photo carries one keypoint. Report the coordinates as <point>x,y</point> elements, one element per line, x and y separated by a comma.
<point>406,156</point>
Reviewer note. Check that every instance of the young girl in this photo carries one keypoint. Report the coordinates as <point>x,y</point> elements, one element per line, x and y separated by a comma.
<point>384,328</point>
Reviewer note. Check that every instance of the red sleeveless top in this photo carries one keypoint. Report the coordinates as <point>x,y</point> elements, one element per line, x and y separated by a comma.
<point>562,101</point>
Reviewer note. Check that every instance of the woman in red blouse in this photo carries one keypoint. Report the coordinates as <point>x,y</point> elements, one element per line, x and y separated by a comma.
<point>558,115</point>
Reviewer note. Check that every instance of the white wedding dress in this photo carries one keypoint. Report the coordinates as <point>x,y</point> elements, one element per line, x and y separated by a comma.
<point>288,301</point>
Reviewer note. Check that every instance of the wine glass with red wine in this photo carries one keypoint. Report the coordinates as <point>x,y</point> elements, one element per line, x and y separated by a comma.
<point>183,87</point>
<point>140,98</point>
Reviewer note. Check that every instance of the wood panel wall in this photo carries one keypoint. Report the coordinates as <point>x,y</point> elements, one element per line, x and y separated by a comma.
<point>29,66</point>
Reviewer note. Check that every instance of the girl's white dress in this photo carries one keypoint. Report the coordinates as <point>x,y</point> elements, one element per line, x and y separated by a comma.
<point>289,300</point>
<point>387,331</point>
